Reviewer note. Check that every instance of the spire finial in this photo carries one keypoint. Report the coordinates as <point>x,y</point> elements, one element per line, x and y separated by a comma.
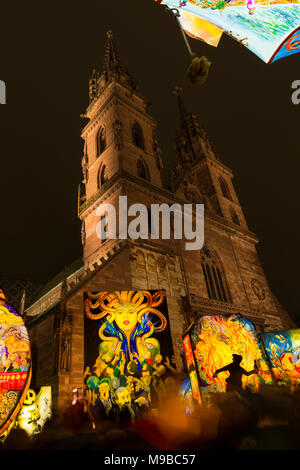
<point>177,90</point>
<point>111,61</point>
<point>182,110</point>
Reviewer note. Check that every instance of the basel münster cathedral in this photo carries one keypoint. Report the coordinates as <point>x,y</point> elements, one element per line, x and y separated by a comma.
<point>122,157</point>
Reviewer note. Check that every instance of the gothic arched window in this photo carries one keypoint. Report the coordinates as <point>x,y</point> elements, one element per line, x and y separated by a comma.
<point>101,141</point>
<point>102,176</point>
<point>234,217</point>
<point>142,170</point>
<point>214,276</point>
<point>137,135</point>
<point>224,188</point>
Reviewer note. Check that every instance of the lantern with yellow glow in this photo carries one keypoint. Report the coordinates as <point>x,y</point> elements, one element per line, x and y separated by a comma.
<point>15,363</point>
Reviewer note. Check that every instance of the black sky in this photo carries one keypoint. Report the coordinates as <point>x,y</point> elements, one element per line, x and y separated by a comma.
<point>48,51</point>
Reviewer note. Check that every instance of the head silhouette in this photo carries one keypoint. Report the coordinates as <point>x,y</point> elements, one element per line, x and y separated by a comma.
<point>237,358</point>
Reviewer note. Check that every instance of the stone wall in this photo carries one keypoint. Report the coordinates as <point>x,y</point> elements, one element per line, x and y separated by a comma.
<point>43,351</point>
<point>157,270</point>
<point>115,275</point>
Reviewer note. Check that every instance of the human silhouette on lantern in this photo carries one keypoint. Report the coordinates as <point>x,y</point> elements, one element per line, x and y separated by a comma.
<point>234,381</point>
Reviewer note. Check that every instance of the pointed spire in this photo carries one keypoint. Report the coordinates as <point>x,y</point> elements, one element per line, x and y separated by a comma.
<point>112,61</point>
<point>185,137</point>
<point>189,121</point>
<point>112,70</point>
<point>182,109</point>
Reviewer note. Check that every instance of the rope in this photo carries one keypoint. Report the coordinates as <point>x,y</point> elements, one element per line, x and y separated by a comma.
<point>199,68</point>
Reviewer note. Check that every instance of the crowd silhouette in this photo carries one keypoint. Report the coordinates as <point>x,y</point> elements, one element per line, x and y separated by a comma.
<point>265,420</point>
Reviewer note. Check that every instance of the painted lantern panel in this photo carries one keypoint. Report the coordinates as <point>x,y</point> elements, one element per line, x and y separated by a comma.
<point>268,28</point>
<point>283,349</point>
<point>215,339</point>
<point>15,363</point>
<point>128,351</point>
<point>191,368</point>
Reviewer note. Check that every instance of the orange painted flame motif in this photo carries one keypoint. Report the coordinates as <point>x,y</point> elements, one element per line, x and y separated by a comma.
<point>216,338</point>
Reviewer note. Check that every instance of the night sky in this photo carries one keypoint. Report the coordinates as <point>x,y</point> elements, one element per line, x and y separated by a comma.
<point>48,50</point>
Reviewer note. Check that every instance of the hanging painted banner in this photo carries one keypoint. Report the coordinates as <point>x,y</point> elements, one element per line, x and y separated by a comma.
<point>228,354</point>
<point>15,363</point>
<point>283,350</point>
<point>269,28</point>
<point>128,351</point>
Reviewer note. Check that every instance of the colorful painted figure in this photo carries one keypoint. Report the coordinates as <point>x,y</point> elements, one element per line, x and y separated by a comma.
<point>234,381</point>
<point>127,328</point>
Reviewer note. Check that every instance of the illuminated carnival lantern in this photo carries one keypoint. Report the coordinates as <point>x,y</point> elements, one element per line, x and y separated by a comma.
<point>127,349</point>
<point>15,363</point>
<point>36,410</point>
<point>214,342</point>
<point>283,350</point>
<point>269,28</point>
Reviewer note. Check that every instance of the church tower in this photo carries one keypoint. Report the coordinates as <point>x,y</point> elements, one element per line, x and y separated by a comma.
<point>226,275</point>
<point>214,180</point>
<point>119,146</point>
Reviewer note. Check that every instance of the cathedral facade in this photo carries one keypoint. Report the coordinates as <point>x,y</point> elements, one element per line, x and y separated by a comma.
<point>122,158</point>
